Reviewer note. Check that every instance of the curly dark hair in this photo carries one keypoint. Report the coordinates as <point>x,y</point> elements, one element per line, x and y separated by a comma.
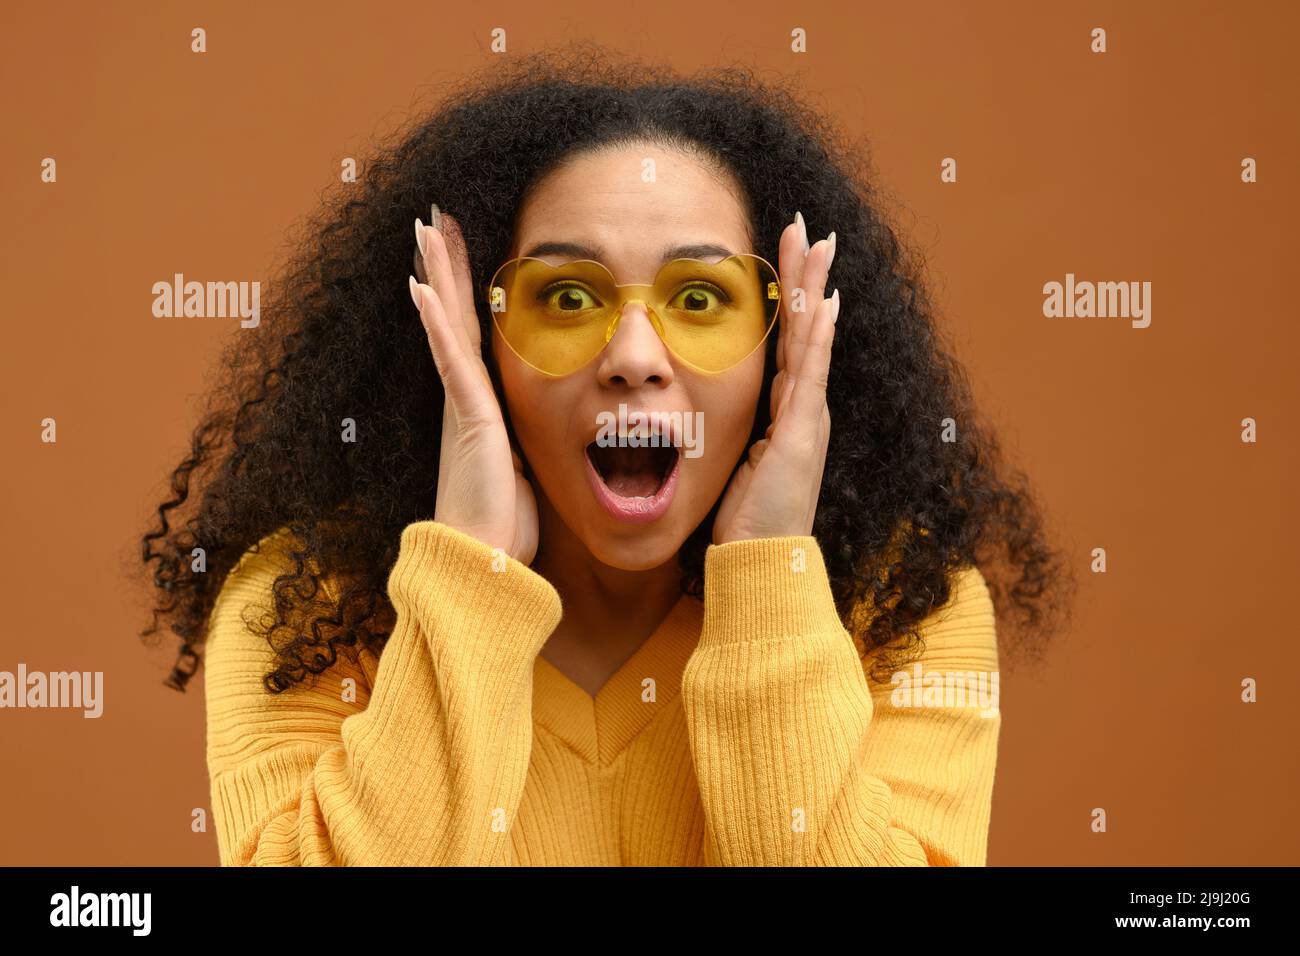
<point>340,340</point>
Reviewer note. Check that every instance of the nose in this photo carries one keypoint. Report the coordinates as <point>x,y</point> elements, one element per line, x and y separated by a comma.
<point>635,355</point>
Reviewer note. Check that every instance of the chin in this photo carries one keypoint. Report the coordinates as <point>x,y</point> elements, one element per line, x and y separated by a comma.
<point>643,550</point>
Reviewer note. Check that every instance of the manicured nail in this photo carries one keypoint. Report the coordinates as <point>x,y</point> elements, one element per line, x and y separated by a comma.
<point>419,235</point>
<point>415,293</point>
<point>435,216</point>
<point>835,306</point>
<point>803,230</point>
<point>831,239</point>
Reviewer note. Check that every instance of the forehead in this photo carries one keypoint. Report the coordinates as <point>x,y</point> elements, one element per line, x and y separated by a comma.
<point>632,203</point>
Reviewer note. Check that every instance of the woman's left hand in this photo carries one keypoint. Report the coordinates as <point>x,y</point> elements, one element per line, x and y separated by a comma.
<point>774,492</point>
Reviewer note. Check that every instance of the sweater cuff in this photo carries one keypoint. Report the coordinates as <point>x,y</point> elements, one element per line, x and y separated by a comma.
<point>766,588</point>
<point>445,574</point>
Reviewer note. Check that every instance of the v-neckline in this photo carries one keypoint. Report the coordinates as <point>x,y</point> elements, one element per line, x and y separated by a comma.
<point>600,728</point>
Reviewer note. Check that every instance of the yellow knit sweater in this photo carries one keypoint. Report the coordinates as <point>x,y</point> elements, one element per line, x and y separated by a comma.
<point>745,731</point>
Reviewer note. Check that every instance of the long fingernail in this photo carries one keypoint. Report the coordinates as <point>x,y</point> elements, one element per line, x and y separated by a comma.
<point>835,306</point>
<point>831,240</point>
<point>803,230</point>
<point>415,293</point>
<point>419,235</point>
<point>435,216</point>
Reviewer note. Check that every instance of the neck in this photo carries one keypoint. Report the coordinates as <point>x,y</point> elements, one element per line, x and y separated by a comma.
<point>608,612</point>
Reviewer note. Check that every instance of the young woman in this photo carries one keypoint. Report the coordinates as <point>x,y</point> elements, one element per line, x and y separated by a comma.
<point>630,536</point>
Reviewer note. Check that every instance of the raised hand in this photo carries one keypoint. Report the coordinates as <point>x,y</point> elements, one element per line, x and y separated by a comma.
<point>482,490</point>
<point>774,491</point>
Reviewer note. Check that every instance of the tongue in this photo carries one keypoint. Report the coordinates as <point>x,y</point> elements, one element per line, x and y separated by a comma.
<point>630,472</point>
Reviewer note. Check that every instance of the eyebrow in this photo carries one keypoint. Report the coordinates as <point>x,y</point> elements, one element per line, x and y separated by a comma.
<point>577,250</point>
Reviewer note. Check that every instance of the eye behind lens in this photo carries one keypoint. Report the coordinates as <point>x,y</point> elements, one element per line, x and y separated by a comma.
<point>579,298</point>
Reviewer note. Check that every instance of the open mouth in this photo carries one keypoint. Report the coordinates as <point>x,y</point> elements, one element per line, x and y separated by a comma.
<point>633,472</point>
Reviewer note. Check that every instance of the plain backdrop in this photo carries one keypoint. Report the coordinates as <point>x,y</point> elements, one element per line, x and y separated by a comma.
<point>1120,167</point>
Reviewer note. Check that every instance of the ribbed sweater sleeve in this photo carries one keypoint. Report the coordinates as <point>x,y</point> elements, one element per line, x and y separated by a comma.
<point>801,759</point>
<point>429,770</point>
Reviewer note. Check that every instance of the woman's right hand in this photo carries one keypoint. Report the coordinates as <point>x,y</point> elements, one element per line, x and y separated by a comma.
<point>482,490</point>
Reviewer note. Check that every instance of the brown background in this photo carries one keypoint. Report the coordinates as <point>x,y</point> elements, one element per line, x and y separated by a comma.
<point>1123,166</point>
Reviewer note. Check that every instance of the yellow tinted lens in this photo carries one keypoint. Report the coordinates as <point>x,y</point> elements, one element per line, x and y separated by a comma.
<point>557,318</point>
<point>715,314</point>
<point>554,317</point>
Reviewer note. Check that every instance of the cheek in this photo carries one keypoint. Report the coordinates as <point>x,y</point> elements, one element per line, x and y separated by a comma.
<point>729,405</point>
<point>525,401</point>
<point>740,398</point>
<point>539,412</point>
